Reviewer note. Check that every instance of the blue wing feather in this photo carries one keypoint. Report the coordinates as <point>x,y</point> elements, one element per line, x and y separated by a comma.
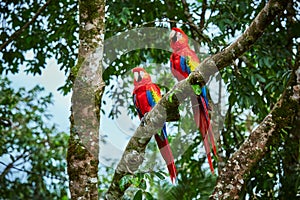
<point>152,103</point>
<point>184,66</point>
<point>163,136</point>
<point>203,93</point>
<point>150,98</point>
<point>164,131</point>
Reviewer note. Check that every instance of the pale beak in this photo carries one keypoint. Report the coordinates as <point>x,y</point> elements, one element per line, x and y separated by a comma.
<point>138,76</point>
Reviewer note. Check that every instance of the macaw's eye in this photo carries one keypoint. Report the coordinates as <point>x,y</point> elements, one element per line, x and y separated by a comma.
<point>179,36</point>
<point>142,74</point>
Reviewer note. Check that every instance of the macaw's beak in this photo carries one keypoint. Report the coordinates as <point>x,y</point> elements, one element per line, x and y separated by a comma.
<point>139,78</point>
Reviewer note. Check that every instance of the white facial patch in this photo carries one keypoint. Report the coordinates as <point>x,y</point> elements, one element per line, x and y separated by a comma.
<point>172,34</point>
<point>136,76</point>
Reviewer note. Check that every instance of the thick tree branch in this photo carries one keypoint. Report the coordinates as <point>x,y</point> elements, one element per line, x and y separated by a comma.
<point>285,113</point>
<point>18,32</point>
<point>133,155</point>
<point>232,177</point>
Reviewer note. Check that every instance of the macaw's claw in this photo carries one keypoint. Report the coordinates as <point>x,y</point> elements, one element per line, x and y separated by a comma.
<point>143,120</point>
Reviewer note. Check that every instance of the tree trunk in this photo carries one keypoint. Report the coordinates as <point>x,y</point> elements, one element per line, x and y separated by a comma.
<point>88,87</point>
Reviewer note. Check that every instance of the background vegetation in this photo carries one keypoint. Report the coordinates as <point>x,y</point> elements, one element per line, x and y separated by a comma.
<point>33,147</point>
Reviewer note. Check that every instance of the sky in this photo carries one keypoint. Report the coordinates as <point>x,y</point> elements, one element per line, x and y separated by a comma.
<point>51,79</point>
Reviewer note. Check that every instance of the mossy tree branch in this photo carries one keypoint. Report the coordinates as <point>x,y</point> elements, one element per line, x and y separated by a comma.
<point>133,155</point>
<point>234,174</point>
<point>285,114</point>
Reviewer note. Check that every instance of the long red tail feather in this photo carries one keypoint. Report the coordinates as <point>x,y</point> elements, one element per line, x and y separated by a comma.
<point>202,120</point>
<point>212,139</point>
<point>167,155</point>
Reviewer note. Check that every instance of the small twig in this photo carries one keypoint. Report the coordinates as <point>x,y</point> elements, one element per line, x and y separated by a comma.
<point>10,166</point>
<point>202,15</point>
<point>212,10</point>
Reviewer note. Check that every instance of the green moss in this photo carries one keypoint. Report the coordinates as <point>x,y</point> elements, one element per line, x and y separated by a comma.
<point>282,116</point>
<point>94,163</point>
<point>76,149</point>
<point>80,153</point>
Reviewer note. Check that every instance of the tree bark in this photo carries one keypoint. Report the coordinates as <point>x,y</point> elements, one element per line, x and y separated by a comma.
<point>232,177</point>
<point>133,154</point>
<point>88,87</point>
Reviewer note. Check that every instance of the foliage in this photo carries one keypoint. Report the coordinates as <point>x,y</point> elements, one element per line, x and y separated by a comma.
<point>53,34</point>
<point>32,151</point>
<point>254,82</point>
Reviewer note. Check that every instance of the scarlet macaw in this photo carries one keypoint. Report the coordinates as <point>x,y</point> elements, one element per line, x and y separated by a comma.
<point>145,95</point>
<point>183,61</point>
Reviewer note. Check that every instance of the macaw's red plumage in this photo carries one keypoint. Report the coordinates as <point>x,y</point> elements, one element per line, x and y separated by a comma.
<point>145,95</point>
<point>183,61</point>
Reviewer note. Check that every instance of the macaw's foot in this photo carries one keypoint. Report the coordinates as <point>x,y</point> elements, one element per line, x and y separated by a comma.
<point>143,121</point>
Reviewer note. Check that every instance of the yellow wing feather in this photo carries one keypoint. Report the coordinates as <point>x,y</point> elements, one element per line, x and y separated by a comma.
<point>156,95</point>
<point>191,63</point>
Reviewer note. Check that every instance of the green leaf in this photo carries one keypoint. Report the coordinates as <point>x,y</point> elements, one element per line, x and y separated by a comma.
<point>143,185</point>
<point>253,81</point>
<point>140,175</point>
<point>147,176</point>
<point>123,19</point>
<point>148,196</point>
<point>268,85</point>
<point>125,181</point>
<point>65,197</point>
<point>170,97</point>
<point>284,131</point>
<point>266,61</point>
<point>197,89</point>
<point>135,181</point>
<point>159,175</point>
<point>138,195</point>
<point>260,78</point>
